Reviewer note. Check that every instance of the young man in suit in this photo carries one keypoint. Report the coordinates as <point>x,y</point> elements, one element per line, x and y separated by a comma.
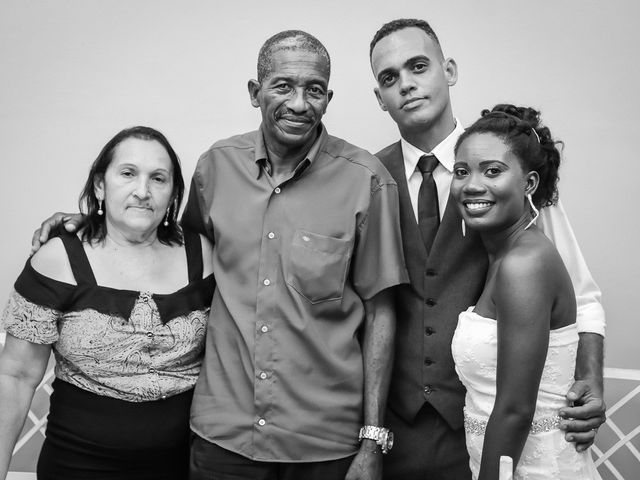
<point>447,269</point>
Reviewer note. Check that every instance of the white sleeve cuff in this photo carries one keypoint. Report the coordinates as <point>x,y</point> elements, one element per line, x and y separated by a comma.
<point>591,318</point>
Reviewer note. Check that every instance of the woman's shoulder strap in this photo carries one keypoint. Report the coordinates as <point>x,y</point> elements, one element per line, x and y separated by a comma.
<point>78,260</point>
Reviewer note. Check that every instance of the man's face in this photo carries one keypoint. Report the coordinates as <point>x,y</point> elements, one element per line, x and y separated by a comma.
<point>413,78</point>
<point>292,98</point>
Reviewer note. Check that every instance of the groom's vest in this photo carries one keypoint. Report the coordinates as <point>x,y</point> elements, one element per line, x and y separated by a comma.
<point>443,283</point>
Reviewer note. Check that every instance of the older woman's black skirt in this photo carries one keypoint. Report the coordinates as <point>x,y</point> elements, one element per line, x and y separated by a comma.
<point>91,436</point>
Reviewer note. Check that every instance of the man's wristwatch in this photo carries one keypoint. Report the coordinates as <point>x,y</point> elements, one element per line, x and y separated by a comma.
<point>382,436</point>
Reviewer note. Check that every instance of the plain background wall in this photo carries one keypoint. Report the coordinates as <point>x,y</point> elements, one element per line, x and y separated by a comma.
<point>75,72</point>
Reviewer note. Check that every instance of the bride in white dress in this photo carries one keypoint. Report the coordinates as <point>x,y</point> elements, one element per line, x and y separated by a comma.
<point>515,350</point>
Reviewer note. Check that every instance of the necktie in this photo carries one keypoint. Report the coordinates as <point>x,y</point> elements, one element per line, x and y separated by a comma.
<point>428,210</point>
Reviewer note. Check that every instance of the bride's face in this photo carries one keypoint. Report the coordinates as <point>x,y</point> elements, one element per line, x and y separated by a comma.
<point>489,184</point>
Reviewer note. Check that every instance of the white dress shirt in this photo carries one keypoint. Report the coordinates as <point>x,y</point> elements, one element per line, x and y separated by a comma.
<point>552,220</point>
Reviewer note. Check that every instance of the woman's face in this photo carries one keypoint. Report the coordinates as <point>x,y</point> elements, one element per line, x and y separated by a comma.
<point>489,184</point>
<point>137,186</point>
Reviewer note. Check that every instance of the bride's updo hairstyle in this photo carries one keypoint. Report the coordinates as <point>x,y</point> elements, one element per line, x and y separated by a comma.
<point>520,129</point>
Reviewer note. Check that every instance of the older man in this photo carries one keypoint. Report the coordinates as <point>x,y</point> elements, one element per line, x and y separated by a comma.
<point>306,245</point>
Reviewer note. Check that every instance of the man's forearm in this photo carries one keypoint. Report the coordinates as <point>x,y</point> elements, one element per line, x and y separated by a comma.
<point>590,357</point>
<point>378,344</point>
<point>586,409</point>
<point>377,352</point>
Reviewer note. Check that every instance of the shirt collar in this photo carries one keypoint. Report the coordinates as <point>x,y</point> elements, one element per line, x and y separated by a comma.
<point>443,151</point>
<point>261,157</point>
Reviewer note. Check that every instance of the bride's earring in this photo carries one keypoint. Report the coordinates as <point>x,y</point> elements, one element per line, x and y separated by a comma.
<point>100,211</point>
<point>536,213</point>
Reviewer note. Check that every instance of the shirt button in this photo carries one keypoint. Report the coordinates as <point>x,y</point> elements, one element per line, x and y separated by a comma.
<point>263,375</point>
<point>428,361</point>
<point>430,272</point>
<point>429,331</point>
<point>277,190</point>
<point>266,282</point>
<point>271,235</point>
<point>264,329</point>
<point>428,390</point>
<point>150,334</point>
<point>262,422</point>
<point>430,302</point>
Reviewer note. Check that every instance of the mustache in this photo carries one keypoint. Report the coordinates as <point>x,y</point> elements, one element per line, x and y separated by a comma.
<point>287,114</point>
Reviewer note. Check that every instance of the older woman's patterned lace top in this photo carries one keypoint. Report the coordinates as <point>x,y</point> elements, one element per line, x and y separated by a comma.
<point>134,346</point>
<point>546,454</point>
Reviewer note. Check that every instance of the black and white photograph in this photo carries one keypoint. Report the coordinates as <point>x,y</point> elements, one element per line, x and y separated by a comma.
<point>334,240</point>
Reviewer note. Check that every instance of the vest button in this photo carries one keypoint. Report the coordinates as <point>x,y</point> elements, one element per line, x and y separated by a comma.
<point>428,390</point>
<point>429,331</point>
<point>428,361</point>
<point>430,302</point>
<point>430,272</point>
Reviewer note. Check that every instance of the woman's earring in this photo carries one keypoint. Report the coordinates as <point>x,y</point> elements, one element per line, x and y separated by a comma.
<point>464,228</point>
<point>100,211</point>
<point>166,218</point>
<point>536,213</point>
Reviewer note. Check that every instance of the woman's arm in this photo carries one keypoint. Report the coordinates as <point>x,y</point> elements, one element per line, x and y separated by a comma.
<point>22,366</point>
<point>31,329</point>
<point>523,298</point>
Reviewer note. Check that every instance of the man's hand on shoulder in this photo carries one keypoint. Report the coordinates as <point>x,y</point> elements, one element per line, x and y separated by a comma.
<point>71,222</point>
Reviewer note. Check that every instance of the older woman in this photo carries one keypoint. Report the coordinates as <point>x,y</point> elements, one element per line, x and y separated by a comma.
<point>123,305</point>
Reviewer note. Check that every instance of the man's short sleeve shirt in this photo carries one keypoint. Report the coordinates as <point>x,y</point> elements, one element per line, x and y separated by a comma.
<point>282,378</point>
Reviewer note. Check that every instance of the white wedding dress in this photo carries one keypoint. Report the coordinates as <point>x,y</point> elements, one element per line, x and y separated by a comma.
<point>546,454</point>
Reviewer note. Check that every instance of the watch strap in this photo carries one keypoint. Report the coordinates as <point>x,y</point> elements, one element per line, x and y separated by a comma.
<point>382,436</point>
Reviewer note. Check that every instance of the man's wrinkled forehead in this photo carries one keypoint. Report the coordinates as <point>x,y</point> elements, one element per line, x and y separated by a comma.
<point>306,44</point>
<point>296,66</point>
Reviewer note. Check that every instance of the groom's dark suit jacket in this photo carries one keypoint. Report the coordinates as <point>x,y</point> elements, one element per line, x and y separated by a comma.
<point>444,282</point>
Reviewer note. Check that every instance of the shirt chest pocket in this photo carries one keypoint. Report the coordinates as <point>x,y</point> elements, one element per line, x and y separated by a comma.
<point>318,266</point>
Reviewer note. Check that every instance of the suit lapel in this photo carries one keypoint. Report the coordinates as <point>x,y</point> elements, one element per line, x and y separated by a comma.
<point>415,253</point>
